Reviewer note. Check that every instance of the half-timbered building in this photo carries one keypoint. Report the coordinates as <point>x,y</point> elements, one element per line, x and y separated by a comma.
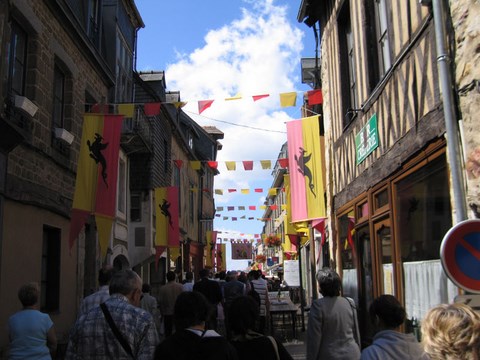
<point>389,174</point>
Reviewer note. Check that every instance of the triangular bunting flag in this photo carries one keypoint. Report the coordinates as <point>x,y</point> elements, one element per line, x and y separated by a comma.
<point>288,99</point>
<point>126,110</point>
<point>315,97</point>
<point>248,165</point>
<point>258,97</point>
<point>203,105</point>
<point>245,191</point>
<point>151,109</point>
<point>266,164</point>
<point>196,165</point>
<point>231,165</point>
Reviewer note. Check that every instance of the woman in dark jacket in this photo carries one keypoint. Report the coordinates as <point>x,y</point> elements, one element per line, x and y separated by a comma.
<point>244,313</point>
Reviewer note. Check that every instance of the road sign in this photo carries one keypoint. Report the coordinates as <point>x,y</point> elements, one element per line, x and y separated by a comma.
<point>460,255</point>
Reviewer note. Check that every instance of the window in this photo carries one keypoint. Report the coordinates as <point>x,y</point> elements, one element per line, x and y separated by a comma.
<point>58,98</point>
<point>93,21</point>
<point>16,66</point>
<point>192,203</point>
<point>50,281</point>
<point>383,45</point>
<point>424,212</point>
<point>135,208</point>
<point>17,59</point>
<point>379,58</point>
<point>347,64</point>
<point>122,186</point>
<point>124,71</point>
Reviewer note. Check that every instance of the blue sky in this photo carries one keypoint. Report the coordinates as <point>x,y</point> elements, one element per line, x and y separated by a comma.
<point>216,49</point>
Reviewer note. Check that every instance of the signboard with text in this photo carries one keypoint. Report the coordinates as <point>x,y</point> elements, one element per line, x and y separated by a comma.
<point>367,139</point>
<point>291,273</point>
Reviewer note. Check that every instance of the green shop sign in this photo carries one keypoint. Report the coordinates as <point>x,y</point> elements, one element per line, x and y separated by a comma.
<point>367,139</point>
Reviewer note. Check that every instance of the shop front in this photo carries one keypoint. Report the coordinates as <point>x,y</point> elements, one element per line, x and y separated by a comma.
<point>388,239</point>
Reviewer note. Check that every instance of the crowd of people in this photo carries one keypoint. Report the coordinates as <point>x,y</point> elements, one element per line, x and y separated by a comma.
<point>226,318</point>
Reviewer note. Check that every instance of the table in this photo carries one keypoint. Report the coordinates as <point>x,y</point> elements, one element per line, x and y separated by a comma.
<point>284,307</point>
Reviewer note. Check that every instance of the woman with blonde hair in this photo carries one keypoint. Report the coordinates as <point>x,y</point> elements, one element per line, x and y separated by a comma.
<point>451,331</point>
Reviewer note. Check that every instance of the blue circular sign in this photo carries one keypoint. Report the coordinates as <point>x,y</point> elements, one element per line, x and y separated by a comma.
<point>460,255</point>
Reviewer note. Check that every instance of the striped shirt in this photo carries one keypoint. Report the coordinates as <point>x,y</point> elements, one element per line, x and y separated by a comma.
<point>261,288</point>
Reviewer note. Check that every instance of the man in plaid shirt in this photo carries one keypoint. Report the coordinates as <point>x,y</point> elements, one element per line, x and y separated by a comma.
<point>93,338</point>
<point>90,301</point>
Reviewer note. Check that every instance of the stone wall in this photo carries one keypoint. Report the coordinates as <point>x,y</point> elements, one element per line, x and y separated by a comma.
<point>465,15</point>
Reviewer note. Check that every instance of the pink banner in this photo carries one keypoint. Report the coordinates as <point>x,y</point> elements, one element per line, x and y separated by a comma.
<point>295,164</point>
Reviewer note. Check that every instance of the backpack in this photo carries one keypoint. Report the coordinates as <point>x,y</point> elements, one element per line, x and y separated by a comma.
<point>254,294</point>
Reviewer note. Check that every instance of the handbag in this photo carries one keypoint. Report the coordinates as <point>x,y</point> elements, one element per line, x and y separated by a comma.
<point>116,332</point>
<point>274,343</point>
<point>355,325</point>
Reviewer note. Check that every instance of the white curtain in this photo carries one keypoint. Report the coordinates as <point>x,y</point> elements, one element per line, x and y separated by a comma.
<point>426,285</point>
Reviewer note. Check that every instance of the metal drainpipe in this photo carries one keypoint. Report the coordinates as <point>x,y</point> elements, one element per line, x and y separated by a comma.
<point>453,143</point>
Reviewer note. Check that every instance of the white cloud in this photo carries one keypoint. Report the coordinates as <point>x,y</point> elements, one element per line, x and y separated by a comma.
<point>259,53</point>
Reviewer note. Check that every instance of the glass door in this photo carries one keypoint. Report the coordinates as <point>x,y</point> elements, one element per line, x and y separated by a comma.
<point>385,254</point>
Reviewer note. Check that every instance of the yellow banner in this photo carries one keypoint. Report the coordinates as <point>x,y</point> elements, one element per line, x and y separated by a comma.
<point>87,171</point>
<point>104,228</point>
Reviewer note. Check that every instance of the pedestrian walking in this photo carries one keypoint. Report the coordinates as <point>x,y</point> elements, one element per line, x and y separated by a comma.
<point>31,332</point>
<point>192,339</point>
<point>118,328</point>
<point>387,315</point>
<point>332,331</point>
<point>167,296</point>
<point>451,332</point>
<point>249,343</point>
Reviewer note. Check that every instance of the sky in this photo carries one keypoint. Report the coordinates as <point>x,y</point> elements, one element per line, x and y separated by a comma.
<point>217,49</point>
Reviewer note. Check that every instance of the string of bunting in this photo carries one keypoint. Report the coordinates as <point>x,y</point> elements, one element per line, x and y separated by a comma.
<point>287,99</point>
<point>248,165</point>
<point>250,207</point>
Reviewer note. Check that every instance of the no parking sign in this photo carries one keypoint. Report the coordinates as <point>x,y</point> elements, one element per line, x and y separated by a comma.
<point>460,255</point>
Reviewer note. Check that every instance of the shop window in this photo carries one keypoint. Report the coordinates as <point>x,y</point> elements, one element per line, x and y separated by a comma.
<point>380,199</point>
<point>362,211</point>
<point>424,212</point>
<point>346,228</point>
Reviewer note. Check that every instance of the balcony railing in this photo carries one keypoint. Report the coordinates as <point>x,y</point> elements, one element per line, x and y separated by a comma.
<point>137,133</point>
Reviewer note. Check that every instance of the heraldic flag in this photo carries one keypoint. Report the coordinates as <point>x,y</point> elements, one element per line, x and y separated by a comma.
<point>211,247</point>
<point>96,183</point>
<point>306,169</point>
<point>167,227</point>
<point>221,260</point>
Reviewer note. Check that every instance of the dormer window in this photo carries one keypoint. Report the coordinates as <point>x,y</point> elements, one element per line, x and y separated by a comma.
<point>190,141</point>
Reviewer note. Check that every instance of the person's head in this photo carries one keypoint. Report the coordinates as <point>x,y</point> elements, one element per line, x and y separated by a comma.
<point>105,275</point>
<point>191,309</point>
<point>127,283</point>
<point>204,273</point>
<point>451,331</point>
<point>386,312</point>
<point>171,276</point>
<point>329,282</point>
<point>189,276</point>
<point>28,294</point>
<point>231,275</point>
<point>243,314</point>
<point>222,275</point>
<point>256,274</point>
<point>146,288</point>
